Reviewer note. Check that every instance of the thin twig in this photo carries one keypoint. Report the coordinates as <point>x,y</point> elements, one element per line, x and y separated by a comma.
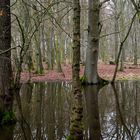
<point>5,51</point>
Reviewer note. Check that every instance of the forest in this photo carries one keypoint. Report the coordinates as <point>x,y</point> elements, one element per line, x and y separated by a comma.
<point>69,70</point>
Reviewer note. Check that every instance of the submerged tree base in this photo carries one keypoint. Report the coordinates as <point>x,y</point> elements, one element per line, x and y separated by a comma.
<point>101,81</point>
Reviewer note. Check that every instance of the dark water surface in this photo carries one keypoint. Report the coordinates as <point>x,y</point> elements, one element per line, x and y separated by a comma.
<point>43,111</point>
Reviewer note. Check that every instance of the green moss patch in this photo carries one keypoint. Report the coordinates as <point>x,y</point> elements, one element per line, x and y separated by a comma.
<point>7,118</point>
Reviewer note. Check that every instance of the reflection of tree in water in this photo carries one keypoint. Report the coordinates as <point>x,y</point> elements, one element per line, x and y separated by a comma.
<point>50,111</point>
<point>57,113</point>
<point>92,122</point>
<point>45,111</point>
<point>23,103</point>
<point>120,111</point>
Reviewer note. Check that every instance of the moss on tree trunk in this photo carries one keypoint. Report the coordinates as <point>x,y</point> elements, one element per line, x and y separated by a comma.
<point>76,130</point>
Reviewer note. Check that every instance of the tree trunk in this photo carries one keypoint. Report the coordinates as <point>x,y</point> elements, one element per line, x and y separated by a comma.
<point>5,58</point>
<point>122,23</point>
<point>116,38</point>
<point>91,73</point>
<point>76,131</point>
<point>51,49</point>
<point>135,44</point>
<point>58,52</point>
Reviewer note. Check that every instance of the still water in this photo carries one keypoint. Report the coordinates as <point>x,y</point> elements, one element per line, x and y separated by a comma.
<point>43,112</point>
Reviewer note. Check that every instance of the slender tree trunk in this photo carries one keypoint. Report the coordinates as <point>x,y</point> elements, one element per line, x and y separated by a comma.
<point>58,40</point>
<point>51,49</point>
<point>116,38</point>
<point>76,132</point>
<point>43,42</point>
<point>135,44</point>
<point>39,65</point>
<point>122,23</point>
<point>116,27</point>
<point>58,52</point>
<point>83,31</point>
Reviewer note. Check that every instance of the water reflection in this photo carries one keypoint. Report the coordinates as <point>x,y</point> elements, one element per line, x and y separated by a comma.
<point>92,121</point>
<point>43,112</point>
<point>120,111</point>
<point>6,133</point>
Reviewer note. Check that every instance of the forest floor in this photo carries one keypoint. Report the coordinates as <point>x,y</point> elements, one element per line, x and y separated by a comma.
<point>106,71</point>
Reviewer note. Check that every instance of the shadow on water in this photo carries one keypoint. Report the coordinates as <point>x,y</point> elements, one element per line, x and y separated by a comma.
<point>43,112</point>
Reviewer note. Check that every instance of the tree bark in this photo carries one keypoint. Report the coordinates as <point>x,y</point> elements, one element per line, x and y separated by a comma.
<point>135,44</point>
<point>91,73</point>
<point>116,35</point>
<point>76,131</point>
<point>5,58</point>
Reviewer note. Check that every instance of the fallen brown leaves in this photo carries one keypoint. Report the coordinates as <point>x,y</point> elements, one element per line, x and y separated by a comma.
<point>105,71</point>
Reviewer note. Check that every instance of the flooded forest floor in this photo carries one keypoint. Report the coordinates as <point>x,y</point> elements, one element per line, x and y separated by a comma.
<point>106,71</point>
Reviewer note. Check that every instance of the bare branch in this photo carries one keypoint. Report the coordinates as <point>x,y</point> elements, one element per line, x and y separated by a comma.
<point>121,47</point>
<point>105,35</point>
<point>5,51</point>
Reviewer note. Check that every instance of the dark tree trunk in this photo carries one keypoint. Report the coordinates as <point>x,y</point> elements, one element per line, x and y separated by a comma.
<point>5,58</point>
